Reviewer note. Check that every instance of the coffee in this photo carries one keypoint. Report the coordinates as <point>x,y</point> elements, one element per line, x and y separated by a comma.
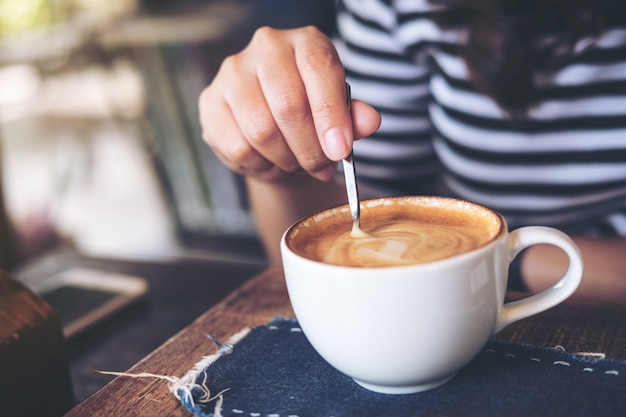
<point>400,231</point>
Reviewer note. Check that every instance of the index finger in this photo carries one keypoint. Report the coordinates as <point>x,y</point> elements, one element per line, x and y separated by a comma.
<point>325,83</point>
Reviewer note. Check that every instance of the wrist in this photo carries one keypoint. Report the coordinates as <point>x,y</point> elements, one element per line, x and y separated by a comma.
<point>516,279</point>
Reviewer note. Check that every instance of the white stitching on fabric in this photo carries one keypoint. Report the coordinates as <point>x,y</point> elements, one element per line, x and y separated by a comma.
<point>592,355</point>
<point>238,411</point>
<point>595,355</point>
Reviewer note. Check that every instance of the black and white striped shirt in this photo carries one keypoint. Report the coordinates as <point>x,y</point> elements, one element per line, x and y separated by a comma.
<point>564,166</point>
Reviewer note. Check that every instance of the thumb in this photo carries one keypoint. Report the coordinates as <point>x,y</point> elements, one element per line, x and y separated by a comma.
<point>365,119</point>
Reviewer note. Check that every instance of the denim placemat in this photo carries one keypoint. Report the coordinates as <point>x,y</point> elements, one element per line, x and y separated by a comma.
<point>273,371</point>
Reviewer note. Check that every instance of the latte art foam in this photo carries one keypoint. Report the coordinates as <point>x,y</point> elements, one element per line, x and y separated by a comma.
<point>398,244</point>
<point>396,235</point>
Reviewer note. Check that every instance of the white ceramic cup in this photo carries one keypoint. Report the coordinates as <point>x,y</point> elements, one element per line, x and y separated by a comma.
<point>406,329</point>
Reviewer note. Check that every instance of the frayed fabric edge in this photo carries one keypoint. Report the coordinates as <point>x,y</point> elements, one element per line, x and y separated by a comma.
<point>183,388</point>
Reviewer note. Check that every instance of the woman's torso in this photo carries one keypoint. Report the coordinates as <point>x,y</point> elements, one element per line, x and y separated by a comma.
<point>564,165</point>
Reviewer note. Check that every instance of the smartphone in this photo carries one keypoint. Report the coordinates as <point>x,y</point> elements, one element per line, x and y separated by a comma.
<point>85,296</point>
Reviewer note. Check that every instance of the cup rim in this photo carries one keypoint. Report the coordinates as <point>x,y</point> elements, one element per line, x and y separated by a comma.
<point>501,231</point>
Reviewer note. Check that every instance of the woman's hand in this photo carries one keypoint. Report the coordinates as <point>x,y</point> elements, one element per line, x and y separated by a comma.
<point>279,107</point>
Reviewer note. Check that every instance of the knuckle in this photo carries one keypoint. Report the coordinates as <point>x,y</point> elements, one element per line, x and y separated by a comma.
<point>230,64</point>
<point>237,152</point>
<point>209,134</point>
<point>207,137</point>
<point>260,132</point>
<point>205,100</point>
<point>292,168</point>
<point>325,109</point>
<point>313,161</point>
<point>291,106</point>
<point>321,58</point>
<point>204,97</point>
<point>264,35</point>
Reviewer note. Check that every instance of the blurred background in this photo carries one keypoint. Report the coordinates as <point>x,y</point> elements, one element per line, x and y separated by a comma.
<point>100,147</point>
<point>102,164</point>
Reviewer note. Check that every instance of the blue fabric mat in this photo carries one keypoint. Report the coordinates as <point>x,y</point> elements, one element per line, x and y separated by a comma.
<point>273,371</point>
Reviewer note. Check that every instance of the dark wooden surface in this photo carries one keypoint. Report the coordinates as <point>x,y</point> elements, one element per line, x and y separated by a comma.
<point>178,292</point>
<point>32,355</point>
<point>577,327</point>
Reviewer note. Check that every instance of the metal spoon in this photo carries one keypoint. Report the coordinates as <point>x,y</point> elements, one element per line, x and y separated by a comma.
<point>349,172</point>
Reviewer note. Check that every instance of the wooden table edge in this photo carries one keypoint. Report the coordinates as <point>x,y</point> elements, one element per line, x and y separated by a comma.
<point>151,396</point>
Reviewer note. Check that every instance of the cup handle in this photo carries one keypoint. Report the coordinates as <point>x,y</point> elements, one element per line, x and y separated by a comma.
<point>519,240</point>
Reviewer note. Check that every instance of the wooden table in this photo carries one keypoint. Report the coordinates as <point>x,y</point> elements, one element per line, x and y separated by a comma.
<point>575,326</point>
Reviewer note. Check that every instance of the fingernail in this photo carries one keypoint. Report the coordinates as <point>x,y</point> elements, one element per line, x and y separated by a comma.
<point>336,144</point>
<point>326,174</point>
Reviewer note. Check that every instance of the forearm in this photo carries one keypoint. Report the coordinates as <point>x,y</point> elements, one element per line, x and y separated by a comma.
<point>277,205</point>
<point>604,268</point>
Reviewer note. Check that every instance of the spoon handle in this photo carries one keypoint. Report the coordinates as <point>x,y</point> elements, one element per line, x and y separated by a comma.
<point>350,176</point>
